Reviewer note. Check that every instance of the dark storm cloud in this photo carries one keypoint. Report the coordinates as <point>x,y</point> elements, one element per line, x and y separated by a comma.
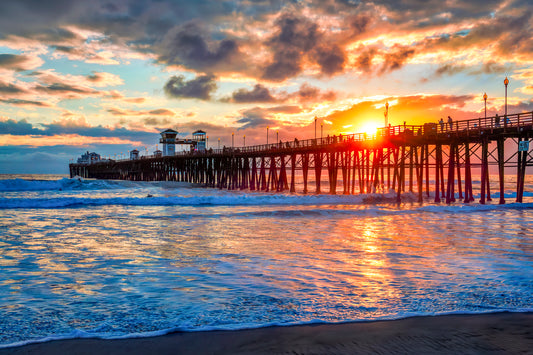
<point>14,61</point>
<point>330,59</point>
<point>449,69</point>
<point>489,67</point>
<point>156,122</point>
<point>199,88</point>
<point>95,77</point>
<point>517,36</point>
<point>261,117</point>
<point>199,36</point>
<point>17,128</point>
<point>508,34</point>
<point>65,49</point>
<point>189,47</point>
<point>395,58</point>
<point>259,93</point>
<point>299,39</point>
<point>296,32</point>
<point>295,37</point>
<point>359,24</point>
<point>364,60</point>
<point>308,93</point>
<point>255,117</point>
<point>428,13</point>
<point>10,89</point>
<point>25,16</point>
<point>53,35</point>
<point>60,88</point>
<point>285,64</point>
<point>252,121</point>
<point>19,102</point>
<point>262,94</point>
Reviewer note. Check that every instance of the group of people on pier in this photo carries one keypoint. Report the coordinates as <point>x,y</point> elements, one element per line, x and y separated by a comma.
<point>450,124</point>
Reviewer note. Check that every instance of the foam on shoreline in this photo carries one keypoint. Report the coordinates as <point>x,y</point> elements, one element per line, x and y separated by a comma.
<point>452,333</point>
<point>80,334</point>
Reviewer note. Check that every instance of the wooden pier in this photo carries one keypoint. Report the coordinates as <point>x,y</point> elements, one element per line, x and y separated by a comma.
<point>406,158</point>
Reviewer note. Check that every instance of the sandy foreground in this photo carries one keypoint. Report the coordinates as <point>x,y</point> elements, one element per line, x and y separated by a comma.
<point>497,333</point>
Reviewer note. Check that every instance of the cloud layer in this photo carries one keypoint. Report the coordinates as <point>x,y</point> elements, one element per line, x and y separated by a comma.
<point>124,69</point>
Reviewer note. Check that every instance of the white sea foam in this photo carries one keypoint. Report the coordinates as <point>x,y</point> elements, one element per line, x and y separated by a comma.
<point>80,334</point>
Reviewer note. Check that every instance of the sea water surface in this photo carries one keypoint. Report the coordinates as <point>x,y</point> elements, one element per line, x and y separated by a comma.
<point>97,258</point>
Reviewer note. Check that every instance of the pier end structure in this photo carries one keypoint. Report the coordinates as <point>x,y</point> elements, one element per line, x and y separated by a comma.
<point>168,139</point>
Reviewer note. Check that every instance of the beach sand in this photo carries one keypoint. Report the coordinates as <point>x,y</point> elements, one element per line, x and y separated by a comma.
<point>496,333</point>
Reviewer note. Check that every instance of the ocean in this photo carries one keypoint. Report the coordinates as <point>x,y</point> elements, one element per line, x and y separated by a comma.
<point>115,259</point>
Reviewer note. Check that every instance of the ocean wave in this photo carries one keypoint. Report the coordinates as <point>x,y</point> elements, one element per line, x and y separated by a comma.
<point>209,200</point>
<point>224,198</point>
<point>77,183</point>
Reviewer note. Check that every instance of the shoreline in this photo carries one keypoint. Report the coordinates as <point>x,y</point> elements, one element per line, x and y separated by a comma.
<point>505,332</point>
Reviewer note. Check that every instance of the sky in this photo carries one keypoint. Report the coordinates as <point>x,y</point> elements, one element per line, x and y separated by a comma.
<point>108,76</point>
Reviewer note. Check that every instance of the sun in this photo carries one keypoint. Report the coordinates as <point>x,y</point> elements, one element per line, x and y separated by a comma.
<point>370,127</point>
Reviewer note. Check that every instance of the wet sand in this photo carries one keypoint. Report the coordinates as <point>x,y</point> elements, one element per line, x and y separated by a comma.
<point>497,333</point>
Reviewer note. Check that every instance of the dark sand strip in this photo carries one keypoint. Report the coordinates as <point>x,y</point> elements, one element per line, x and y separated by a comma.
<point>499,333</point>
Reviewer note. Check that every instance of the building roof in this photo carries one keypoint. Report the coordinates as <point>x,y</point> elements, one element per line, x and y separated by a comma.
<point>169,131</point>
<point>198,132</point>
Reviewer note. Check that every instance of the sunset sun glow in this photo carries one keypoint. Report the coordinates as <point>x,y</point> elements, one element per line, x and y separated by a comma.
<point>370,128</point>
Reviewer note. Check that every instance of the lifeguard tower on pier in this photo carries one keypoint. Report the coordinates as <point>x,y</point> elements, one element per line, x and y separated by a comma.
<point>134,154</point>
<point>168,139</point>
<point>199,137</point>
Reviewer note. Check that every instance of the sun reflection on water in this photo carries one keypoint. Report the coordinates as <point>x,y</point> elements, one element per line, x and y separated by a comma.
<point>152,267</point>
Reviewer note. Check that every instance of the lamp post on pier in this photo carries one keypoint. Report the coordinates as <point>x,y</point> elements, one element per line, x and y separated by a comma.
<point>485,98</point>
<point>219,143</point>
<point>277,135</point>
<point>267,135</point>
<point>321,130</point>
<point>506,82</point>
<point>315,127</point>
<point>244,141</point>
<point>232,139</point>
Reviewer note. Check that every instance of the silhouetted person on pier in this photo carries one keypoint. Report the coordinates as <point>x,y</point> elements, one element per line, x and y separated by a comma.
<point>441,122</point>
<point>497,120</point>
<point>450,123</point>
